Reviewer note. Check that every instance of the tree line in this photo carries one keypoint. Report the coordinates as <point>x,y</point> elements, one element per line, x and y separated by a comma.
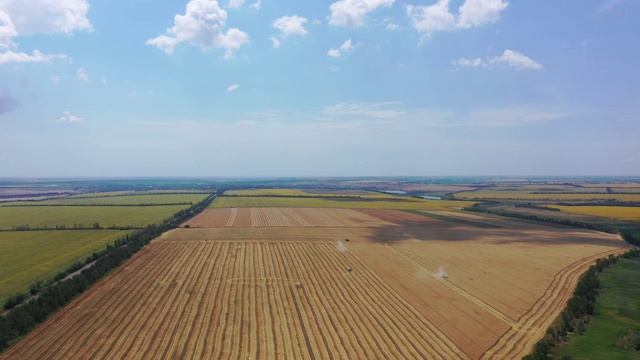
<point>580,307</point>
<point>27,311</point>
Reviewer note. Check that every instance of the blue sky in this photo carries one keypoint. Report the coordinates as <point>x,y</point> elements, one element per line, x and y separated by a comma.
<point>319,88</point>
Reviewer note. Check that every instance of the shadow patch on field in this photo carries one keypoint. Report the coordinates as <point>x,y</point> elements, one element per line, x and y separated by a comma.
<point>391,234</point>
<point>453,233</point>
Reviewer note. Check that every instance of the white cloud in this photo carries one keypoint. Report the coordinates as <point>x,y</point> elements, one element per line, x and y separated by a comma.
<point>469,63</point>
<point>509,57</point>
<point>351,13</point>
<point>235,3</point>
<point>516,60</point>
<point>10,57</point>
<point>430,18</point>
<point>480,12</point>
<point>68,117</point>
<point>291,25</point>
<point>333,52</point>
<point>47,16</point>
<point>24,18</point>
<point>427,19</point>
<point>233,87</point>
<point>57,78</point>
<point>345,47</point>
<point>202,25</point>
<point>378,110</point>
<point>81,75</point>
<point>257,5</point>
<point>276,42</point>
<point>7,31</point>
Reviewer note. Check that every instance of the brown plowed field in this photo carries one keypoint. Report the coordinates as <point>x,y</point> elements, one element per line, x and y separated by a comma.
<point>283,217</point>
<point>276,284</point>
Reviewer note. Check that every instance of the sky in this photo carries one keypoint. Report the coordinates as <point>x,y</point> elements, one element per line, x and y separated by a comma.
<point>264,88</point>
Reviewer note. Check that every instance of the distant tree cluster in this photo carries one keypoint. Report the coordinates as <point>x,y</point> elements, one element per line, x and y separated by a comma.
<point>536,206</point>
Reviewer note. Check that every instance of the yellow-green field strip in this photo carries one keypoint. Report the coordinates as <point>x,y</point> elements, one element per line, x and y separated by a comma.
<point>106,216</point>
<point>29,256</point>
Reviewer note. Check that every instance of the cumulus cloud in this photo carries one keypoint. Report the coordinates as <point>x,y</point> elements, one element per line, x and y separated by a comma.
<point>430,18</point>
<point>345,47</point>
<point>380,110</point>
<point>24,18</point>
<point>68,117</point>
<point>81,75</point>
<point>8,102</point>
<point>291,25</point>
<point>233,87</point>
<point>10,57</point>
<point>427,19</point>
<point>202,25</point>
<point>351,13</point>
<point>47,16</point>
<point>235,3</point>
<point>56,78</point>
<point>516,60</point>
<point>480,12</point>
<point>510,58</point>
<point>275,41</point>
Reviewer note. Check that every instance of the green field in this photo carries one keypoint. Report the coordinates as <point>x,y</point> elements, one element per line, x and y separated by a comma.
<point>116,200</point>
<point>382,202</point>
<point>607,336</point>
<point>29,256</point>
<point>51,216</point>
<point>134,193</point>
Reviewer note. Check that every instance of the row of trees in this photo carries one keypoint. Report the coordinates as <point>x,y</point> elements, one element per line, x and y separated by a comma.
<point>579,308</point>
<point>94,226</point>
<point>54,295</point>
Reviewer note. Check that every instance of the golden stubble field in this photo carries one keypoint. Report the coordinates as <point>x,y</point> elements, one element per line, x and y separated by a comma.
<point>288,284</point>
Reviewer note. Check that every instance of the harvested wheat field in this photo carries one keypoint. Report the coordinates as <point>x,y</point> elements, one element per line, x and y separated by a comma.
<point>404,286</point>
